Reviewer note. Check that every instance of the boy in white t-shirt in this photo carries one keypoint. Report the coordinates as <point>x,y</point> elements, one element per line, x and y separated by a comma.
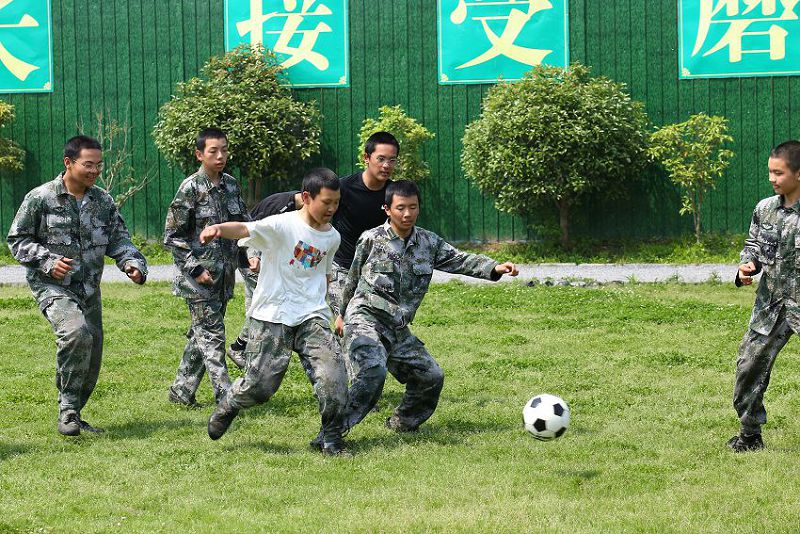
<point>288,311</point>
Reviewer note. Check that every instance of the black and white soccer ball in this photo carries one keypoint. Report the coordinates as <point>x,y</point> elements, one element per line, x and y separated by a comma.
<point>546,417</point>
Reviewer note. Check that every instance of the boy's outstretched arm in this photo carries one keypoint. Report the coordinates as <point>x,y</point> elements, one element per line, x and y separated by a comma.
<point>228,230</point>
<point>749,265</point>
<point>506,268</point>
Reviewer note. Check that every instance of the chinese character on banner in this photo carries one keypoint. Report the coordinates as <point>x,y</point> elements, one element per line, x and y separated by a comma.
<point>725,38</point>
<point>483,41</point>
<point>26,53</point>
<point>310,37</point>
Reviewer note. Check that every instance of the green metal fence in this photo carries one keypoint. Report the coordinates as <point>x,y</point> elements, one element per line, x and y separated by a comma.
<point>124,57</point>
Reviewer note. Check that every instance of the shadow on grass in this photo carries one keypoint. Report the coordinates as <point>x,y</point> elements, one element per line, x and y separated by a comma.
<point>9,450</point>
<point>144,429</point>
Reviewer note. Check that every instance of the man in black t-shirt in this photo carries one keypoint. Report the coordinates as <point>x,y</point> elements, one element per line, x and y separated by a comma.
<point>272,205</point>
<point>360,209</point>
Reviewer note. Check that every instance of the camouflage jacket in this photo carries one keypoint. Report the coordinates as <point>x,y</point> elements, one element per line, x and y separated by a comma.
<point>389,276</point>
<point>49,226</point>
<point>197,204</point>
<point>772,244</point>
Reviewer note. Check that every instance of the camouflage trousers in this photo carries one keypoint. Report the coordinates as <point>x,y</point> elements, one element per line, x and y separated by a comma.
<point>757,354</point>
<point>335,288</point>
<point>378,350</point>
<point>250,280</point>
<point>269,349</point>
<point>204,351</point>
<point>79,341</point>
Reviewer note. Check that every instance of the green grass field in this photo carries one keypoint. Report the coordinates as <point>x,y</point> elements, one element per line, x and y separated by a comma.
<point>647,370</point>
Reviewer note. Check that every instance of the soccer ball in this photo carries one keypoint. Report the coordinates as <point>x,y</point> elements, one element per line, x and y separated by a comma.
<point>546,417</point>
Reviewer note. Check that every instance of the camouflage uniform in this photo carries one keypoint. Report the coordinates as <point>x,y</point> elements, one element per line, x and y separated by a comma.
<point>49,226</point>
<point>197,204</point>
<point>772,245</point>
<point>269,349</point>
<point>386,284</point>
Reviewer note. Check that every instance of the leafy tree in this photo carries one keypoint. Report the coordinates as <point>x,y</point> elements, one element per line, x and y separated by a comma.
<point>11,154</point>
<point>555,137</point>
<point>692,153</point>
<point>270,133</point>
<point>409,133</point>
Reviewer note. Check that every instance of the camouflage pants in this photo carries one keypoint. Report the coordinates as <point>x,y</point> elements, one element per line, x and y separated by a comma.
<point>79,338</point>
<point>335,288</point>
<point>402,354</point>
<point>757,354</point>
<point>250,281</point>
<point>268,351</point>
<point>205,350</point>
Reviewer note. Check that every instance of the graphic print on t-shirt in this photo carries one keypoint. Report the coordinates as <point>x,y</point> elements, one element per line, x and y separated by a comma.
<point>307,255</point>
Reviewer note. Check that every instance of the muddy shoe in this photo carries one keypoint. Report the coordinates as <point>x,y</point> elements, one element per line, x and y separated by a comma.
<point>176,398</point>
<point>69,424</point>
<point>221,419</point>
<point>237,357</point>
<point>745,443</point>
<point>394,423</point>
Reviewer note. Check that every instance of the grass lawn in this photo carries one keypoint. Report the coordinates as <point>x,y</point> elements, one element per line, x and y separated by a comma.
<point>647,371</point>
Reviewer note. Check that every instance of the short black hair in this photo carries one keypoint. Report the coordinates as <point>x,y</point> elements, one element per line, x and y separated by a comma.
<point>788,151</point>
<point>206,134</point>
<point>401,188</point>
<point>380,138</point>
<point>74,145</point>
<point>316,179</point>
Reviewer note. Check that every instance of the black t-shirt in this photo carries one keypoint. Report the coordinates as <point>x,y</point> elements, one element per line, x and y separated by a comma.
<point>359,209</point>
<point>273,205</point>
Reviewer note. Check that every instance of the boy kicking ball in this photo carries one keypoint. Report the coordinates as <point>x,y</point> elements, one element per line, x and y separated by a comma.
<point>289,311</point>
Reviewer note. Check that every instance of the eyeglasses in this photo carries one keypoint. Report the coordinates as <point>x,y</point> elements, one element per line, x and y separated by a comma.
<point>90,166</point>
<point>391,162</point>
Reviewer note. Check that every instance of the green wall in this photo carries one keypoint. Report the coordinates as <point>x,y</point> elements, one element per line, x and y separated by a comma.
<point>124,57</point>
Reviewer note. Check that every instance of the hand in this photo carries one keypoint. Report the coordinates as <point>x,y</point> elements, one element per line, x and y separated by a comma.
<point>61,268</point>
<point>204,278</point>
<point>507,268</point>
<point>746,272</point>
<point>209,233</point>
<point>338,326</point>
<point>134,274</point>
<point>255,264</point>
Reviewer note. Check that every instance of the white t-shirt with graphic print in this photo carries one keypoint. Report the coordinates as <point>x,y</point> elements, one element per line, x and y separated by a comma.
<point>295,262</point>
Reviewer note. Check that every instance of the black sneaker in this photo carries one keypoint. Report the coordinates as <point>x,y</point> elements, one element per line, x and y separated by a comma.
<point>176,398</point>
<point>394,423</point>
<point>316,443</point>
<point>69,424</point>
<point>745,443</point>
<point>86,427</point>
<point>336,448</point>
<point>221,419</point>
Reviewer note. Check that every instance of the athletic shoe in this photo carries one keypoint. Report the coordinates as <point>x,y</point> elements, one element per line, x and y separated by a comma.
<point>745,443</point>
<point>177,398</point>
<point>237,357</point>
<point>316,443</point>
<point>69,424</point>
<point>221,419</point>
<point>395,424</point>
<point>86,427</point>
<point>337,448</point>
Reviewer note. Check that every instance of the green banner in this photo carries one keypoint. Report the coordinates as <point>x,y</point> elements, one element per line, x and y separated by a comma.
<point>310,37</point>
<point>484,41</point>
<point>730,38</point>
<point>26,49</point>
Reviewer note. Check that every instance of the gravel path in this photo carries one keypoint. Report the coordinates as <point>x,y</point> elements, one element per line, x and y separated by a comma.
<point>554,272</point>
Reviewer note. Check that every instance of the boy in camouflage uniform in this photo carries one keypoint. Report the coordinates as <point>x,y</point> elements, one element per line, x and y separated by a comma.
<point>205,275</point>
<point>388,279</point>
<point>61,233</point>
<point>771,248</point>
<point>289,311</point>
